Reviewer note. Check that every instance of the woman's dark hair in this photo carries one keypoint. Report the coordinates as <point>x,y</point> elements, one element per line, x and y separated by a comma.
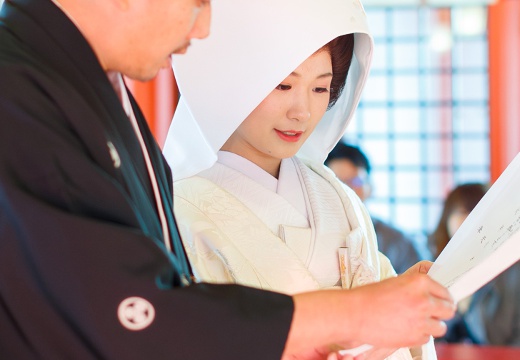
<point>465,197</point>
<point>341,50</point>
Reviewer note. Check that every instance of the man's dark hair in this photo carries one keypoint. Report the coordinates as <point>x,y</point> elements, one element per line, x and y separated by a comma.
<point>349,152</point>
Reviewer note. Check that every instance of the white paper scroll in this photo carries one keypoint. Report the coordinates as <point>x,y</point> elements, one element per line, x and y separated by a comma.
<point>487,242</point>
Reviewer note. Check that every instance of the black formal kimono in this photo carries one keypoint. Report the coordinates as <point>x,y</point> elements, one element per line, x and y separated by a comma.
<point>84,271</point>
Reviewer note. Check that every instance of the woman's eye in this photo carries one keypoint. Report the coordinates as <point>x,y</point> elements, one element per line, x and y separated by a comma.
<point>321,90</point>
<point>283,87</point>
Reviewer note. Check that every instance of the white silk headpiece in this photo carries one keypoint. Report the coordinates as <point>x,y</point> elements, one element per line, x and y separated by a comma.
<point>254,45</point>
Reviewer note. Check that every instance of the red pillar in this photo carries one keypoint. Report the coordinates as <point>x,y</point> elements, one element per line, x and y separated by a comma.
<point>157,99</point>
<point>504,83</point>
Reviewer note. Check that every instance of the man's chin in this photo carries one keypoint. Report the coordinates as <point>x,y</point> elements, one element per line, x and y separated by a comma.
<point>167,63</point>
<point>182,49</point>
<point>143,76</point>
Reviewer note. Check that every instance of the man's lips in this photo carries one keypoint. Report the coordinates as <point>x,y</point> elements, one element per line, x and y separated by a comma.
<point>182,49</point>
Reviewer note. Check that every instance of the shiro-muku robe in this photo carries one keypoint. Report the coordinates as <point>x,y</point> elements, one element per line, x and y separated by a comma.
<point>235,230</point>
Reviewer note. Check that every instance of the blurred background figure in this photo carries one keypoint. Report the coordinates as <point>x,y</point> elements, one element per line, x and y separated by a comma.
<point>352,167</point>
<point>491,316</point>
<point>457,206</point>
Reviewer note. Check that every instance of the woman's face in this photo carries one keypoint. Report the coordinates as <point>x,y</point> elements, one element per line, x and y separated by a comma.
<point>281,123</point>
<point>455,220</point>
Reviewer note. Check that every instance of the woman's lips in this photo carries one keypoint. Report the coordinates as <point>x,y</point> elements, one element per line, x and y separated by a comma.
<point>289,135</point>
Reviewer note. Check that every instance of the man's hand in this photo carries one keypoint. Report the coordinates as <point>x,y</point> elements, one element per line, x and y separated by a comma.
<point>404,311</point>
<point>422,267</point>
<point>399,312</point>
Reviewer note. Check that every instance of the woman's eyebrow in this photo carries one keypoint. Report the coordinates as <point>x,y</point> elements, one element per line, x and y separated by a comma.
<point>324,75</point>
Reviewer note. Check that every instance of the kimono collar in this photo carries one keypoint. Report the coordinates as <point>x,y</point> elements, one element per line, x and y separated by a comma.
<point>253,45</point>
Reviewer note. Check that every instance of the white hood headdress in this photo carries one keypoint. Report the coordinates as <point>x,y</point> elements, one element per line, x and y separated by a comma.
<point>254,45</point>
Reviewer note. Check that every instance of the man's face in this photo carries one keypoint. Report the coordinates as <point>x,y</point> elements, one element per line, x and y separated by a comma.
<point>159,28</point>
<point>355,177</point>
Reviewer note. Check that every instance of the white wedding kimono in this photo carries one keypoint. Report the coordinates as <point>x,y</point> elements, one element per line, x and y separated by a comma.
<point>237,230</point>
<point>236,226</point>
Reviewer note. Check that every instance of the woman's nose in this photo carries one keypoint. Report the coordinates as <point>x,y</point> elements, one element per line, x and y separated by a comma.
<point>300,108</point>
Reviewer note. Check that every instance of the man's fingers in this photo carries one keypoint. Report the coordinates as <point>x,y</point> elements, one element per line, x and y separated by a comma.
<point>422,267</point>
<point>336,356</point>
<point>439,291</point>
<point>436,328</point>
<point>443,309</point>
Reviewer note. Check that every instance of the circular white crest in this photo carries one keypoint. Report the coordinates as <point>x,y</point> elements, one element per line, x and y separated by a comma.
<point>135,313</point>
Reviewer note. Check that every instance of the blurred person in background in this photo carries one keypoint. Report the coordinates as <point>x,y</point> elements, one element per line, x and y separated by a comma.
<point>352,167</point>
<point>491,316</point>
